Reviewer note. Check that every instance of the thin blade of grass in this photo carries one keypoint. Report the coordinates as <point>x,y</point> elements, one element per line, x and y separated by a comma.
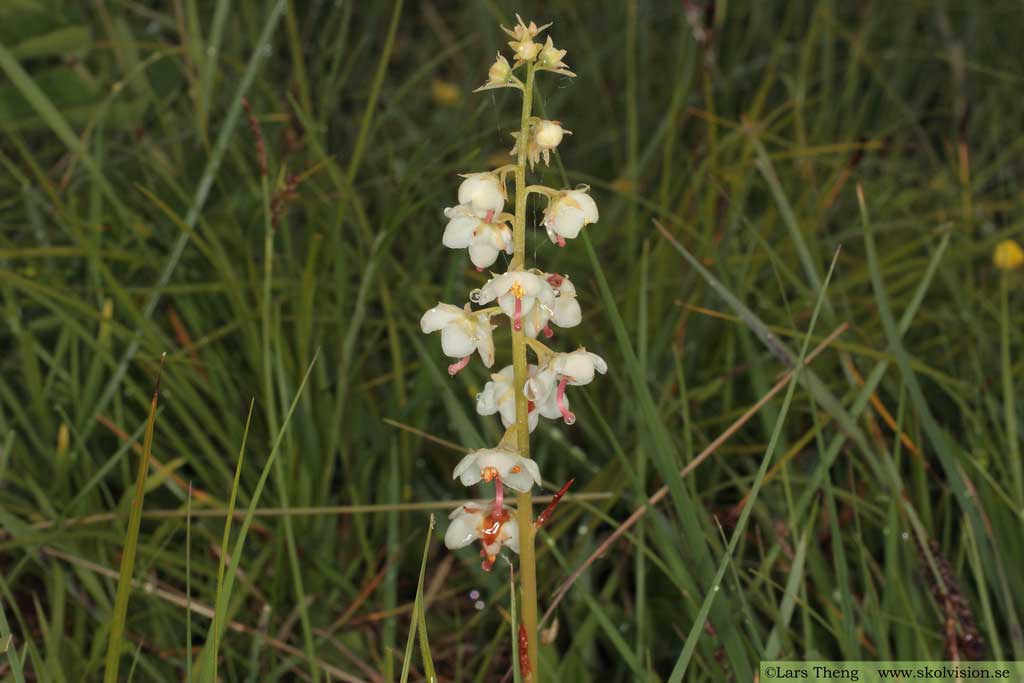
<point>218,625</point>
<point>415,627</point>
<point>131,544</point>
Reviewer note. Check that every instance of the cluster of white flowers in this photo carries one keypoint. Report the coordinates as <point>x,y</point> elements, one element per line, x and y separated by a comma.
<point>531,299</point>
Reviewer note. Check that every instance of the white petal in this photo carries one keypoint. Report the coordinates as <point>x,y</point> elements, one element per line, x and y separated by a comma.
<point>458,234</point>
<point>456,342</point>
<point>495,287</point>
<point>535,321</point>
<point>439,316</point>
<point>587,204</point>
<point>539,387</point>
<point>472,507</point>
<point>568,222</point>
<point>510,534</point>
<point>483,253</point>
<point>463,530</point>
<point>484,340</point>
<point>466,471</point>
<point>567,312</point>
<point>548,406</point>
<point>485,400</point>
<point>526,477</point>
<point>483,191</point>
<point>498,458</point>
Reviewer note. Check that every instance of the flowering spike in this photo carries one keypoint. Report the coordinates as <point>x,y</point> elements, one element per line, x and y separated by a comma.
<point>533,302</point>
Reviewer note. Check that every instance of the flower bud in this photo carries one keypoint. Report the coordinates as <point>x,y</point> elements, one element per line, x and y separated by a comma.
<point>500,72</point>
<point>526,50</point>
<point>548,134</point>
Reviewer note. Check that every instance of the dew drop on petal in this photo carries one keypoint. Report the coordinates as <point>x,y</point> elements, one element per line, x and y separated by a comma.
<point>474,594</point>
<point>479,605</point>
<point>571,420</point>
<point>474,296</point>
<point>905,536</point>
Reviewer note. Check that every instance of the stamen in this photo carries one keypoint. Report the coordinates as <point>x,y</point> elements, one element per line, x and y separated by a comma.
<point>548,332</point>
<point>567,415</point>
<point>454,368</point>
<point>489,474</point>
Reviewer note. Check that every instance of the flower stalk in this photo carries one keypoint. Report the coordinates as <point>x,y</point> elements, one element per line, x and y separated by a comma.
<point>524,501</point>
<point>532,301</point>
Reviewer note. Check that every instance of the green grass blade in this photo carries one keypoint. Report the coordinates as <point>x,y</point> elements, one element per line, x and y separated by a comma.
<point>417,628</point>
<point>130,548</point>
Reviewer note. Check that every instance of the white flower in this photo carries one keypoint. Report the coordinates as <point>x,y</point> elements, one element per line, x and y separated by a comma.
<point>567,213</point>
<point>488,464</point>
<point>494,526</point>
<point>483,191</point>
<point>499,396</point>
<point>462,333</point>
<point>547,387</point>
<point>566,312</point>
<point>478,231</point>
<point>518,292</point>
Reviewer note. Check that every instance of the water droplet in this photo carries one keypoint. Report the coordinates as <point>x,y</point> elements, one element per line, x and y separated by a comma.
<point>571,420</point>
<point>905,536</point>
<point>479,397</point>
<point>474,594</point>
<point>474,296</point>
<point>716,588</point>
<point>583,529</point>
<point>479,605</point>
<point>211,51</point>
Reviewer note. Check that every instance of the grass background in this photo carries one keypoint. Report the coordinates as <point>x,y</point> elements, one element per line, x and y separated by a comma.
<point>885,492</point>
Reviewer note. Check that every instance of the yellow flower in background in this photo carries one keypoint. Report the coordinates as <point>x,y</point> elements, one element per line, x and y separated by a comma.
<point>445,94</point>
<point>1008,255</point>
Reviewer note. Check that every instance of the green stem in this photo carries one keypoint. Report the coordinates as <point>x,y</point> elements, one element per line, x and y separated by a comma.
<point>527,561</point>
<point>1009,404</point>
